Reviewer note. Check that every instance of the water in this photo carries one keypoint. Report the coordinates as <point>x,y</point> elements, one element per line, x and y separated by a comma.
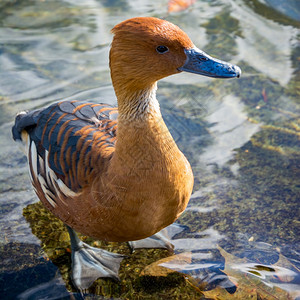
<point>240,233</point>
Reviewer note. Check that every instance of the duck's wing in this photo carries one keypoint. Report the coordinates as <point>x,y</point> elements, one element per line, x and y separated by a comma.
<point>63,143</point>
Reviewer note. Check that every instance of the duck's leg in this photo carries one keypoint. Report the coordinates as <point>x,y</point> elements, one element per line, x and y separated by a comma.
<point>89,263</point>
<point>158,240</point>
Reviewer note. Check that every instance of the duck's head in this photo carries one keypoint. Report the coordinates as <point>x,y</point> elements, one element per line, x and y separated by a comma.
<point>146,49</point>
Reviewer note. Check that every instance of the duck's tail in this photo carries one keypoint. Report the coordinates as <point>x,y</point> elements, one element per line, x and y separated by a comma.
<point>25,122</point>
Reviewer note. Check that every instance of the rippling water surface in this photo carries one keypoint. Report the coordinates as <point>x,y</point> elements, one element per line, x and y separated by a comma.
<point>239,237</point>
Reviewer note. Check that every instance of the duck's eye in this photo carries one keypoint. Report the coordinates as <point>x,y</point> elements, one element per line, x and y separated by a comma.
<point>162,49</point>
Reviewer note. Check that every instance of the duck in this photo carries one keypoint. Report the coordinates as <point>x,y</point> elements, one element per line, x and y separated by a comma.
<point>115,173</point>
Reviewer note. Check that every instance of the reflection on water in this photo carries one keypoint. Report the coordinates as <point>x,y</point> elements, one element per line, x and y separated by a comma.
<point>230,130</point>
<point>240,234</point>
<point>265,40</point>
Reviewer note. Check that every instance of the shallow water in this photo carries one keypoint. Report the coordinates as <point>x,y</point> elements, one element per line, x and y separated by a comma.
<point>240,233</point>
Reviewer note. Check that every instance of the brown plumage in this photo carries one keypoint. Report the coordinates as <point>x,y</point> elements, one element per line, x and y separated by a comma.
<point>124,190</point>
<point>116,174</point>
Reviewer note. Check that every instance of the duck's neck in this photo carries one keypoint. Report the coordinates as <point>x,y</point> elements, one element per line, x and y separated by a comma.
<point>139,114</point>
<point>142,135</point>
<point>138,106</point>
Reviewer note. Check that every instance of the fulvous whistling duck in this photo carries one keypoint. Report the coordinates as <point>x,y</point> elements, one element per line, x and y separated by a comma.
<point>116,174</point>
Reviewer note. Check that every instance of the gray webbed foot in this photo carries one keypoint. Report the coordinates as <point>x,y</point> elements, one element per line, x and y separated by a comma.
<point>158,240</point>
<point>161,239</point>
<point>89,263</point>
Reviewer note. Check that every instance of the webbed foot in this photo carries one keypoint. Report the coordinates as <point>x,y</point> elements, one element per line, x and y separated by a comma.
<point>158,240</point>
<point>90,263</point>
<point>161,239</point>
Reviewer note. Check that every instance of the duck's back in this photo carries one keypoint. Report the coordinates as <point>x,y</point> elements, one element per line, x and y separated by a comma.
<point>63,143</point>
